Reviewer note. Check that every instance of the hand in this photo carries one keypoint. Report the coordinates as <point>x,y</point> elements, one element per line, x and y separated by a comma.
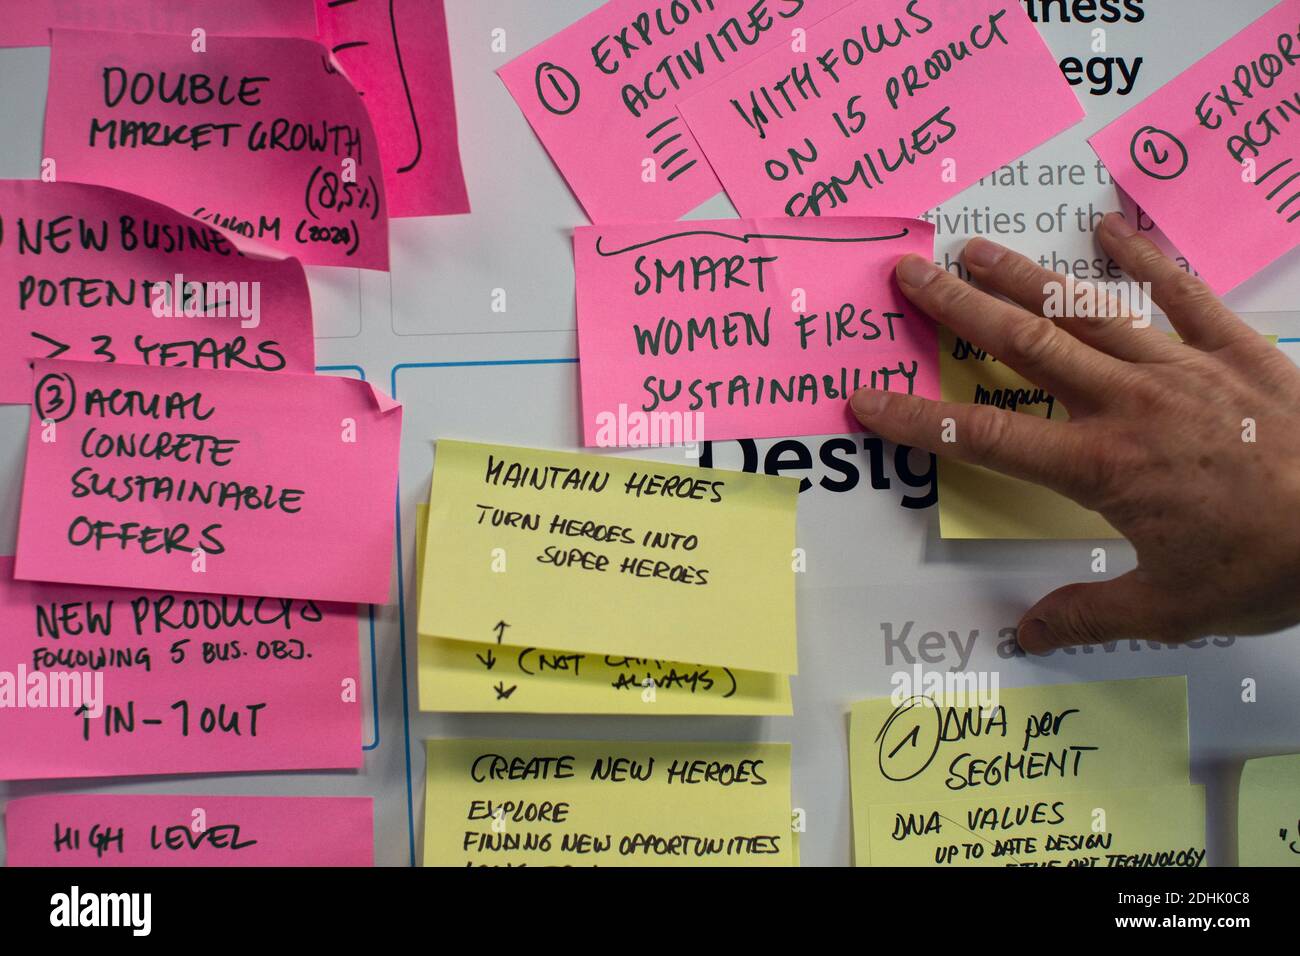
<point>1156,442</point>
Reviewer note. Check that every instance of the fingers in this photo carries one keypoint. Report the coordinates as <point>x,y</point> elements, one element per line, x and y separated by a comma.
<point>1108,327</point>
<point>1121,609</point>
<point>1194,311</point>
<point>1023,446</point>
<point>1079,375</point>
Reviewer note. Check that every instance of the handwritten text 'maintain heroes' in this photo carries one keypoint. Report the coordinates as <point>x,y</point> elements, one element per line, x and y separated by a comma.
<point>501,473</point>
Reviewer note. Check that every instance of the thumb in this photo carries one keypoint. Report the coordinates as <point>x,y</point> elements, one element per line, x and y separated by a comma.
<point>1123,608</point>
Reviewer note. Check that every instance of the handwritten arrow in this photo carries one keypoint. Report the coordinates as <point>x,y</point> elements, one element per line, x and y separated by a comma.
<point>503,693</point>
<point>500,629</point>
<point>490,661</point>
<point>59,347</point>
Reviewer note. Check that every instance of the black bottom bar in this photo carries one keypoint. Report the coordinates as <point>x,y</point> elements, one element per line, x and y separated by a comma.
<point>333,906</point>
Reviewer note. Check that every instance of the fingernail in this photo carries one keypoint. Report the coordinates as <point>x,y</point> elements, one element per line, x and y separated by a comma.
<point>984,254</point>
<point>868,402</point>
<point>1118,226</point>
<point>1034,637</point>
<point>915,271</point>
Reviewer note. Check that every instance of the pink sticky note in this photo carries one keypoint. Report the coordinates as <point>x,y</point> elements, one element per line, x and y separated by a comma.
<point>218,482</point>
<point>91,829</point>
<point>395,53</point>
<point>99,682</point>
<point>745,328</point>
<point>602,95</point>
<point>99,274</point>
<point>261,136</point>
<point>31,27</point>
<point>889,108</point>
<point>1217,143</point>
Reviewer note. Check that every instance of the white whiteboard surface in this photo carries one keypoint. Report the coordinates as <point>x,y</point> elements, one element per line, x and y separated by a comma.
<point>427,332</point>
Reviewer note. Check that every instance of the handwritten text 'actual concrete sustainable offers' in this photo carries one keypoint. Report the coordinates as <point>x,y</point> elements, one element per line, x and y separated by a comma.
<point>218,482</point>
<point>610,555</point>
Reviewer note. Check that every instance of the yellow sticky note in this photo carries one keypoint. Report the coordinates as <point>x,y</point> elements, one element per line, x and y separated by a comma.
<point>459,676</point>
<point>1268,815</point>
<point>1065,737</point>
<point>978,503</point>
<point>975,502</point>
<point>1160,826</point>
<point>608,555</point>
<point>606,803</point>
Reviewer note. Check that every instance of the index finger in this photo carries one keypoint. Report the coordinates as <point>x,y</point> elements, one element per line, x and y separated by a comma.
<point>1106,327</point>
<point>1034,449</point>
<point>1193,309</point>
<point>1082,377</point>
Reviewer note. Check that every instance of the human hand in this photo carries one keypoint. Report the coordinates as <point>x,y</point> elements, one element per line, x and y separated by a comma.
<point>1190,449</point>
